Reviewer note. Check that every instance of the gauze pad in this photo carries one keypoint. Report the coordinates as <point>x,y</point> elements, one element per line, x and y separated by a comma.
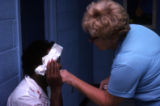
<point>54,54</point>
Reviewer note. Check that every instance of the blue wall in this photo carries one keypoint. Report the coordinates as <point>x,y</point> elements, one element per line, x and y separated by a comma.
<point>10,73</point>
<point>64,26</point>
<point>102,61</point>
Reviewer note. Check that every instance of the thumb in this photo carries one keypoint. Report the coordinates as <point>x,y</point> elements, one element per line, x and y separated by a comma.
<point>101,85</point>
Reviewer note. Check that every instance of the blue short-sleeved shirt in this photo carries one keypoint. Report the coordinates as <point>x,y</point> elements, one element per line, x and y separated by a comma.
<point>136,67</point>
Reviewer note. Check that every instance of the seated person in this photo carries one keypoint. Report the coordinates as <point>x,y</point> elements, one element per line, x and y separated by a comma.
<point>32,90</point>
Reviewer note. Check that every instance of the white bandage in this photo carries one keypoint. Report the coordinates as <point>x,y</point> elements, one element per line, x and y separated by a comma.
<point>54,54</point>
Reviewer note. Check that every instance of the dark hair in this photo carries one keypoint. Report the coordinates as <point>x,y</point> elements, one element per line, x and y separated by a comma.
<point>32,56</point>
<point>106,19</point>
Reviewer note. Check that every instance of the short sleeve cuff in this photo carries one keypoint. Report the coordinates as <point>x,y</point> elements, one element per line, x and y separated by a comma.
<point>120,94</point>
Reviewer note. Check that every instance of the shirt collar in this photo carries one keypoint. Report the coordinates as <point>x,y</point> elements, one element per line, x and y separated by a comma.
<point>34,88</point>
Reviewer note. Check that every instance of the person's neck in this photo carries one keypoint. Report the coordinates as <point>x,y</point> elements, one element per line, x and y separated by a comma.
<point>117,42</point>
<point>40,81</point>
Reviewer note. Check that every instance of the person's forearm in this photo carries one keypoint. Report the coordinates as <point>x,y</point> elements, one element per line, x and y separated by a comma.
<point>96,95</point>
<point>56,97</point>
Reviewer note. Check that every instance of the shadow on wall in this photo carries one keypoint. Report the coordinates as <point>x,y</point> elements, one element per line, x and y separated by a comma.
<point>32,21</point>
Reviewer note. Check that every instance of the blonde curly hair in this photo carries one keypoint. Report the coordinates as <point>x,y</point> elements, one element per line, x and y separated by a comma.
<point>106,19</point>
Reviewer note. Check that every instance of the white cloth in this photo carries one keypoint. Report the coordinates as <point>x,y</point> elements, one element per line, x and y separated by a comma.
<point>28,93</point>
<point>54,54</point>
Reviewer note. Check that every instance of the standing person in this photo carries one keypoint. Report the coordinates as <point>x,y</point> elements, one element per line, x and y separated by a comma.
<point>135,70</point>
<point>32,90</point>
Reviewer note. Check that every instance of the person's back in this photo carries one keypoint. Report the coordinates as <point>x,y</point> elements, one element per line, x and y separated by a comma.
<point>146,42</point>
<point>139,54</point>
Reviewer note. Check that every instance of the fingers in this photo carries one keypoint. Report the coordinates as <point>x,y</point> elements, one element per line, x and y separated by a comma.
<point>66,76</point>
<point>53,74</point>
<point>59,66</point>
<point>52,69</point>
<point>62,74</point>
<point>48,69</point>
<point>101,85</point>
<point>104,82</point>
<point>55,70</point>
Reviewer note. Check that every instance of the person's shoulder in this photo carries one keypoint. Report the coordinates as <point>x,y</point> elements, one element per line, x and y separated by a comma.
<point>140,28</point>
<point>137,26</point>
<point>18,92</point>
<point>20,89</point>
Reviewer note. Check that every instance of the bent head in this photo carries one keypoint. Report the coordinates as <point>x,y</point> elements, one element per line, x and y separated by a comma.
<point>107,22</point>
<point>32,57</point>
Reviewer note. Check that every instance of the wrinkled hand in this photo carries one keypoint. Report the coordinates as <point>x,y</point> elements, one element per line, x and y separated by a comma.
<point>104,82</point>
<point>53,74</point>
<point>66,76</point>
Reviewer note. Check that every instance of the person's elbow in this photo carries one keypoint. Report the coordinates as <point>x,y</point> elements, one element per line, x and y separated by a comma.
<point>106,103</point>
<point>109,100</point>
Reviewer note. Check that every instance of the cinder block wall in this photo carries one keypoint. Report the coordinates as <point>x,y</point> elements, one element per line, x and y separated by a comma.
<point>65,28</point>
<point>9,48</point>
<point>77,55</point>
